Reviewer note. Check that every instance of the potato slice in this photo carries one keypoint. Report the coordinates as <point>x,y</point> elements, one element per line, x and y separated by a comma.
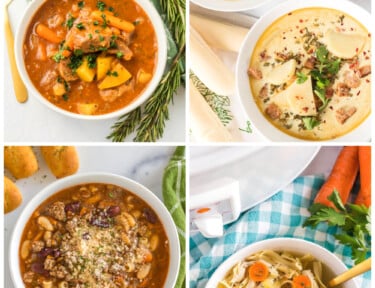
<point>301,98</point>
<point>87,108</point>
<point>143,77</point>
<point>344,45</point>
<point>103,66</point>
<point>84,72</point>
<point>282,73</point>
<point>117,76</point>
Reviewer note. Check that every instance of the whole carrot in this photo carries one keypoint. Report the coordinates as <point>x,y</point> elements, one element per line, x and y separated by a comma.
<point>364,195</point>
<point>342,176</point>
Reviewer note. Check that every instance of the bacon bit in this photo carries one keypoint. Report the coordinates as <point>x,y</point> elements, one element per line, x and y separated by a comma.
<point>344,113</point>
<point>255,73</point>
<point>263,93</point>
<point>364,71</point>
<point>310,63</point>
<point>273,111</point>
<point>342,90</point>
<point>329,92</point>
<point>354,65</point>
<point>352,79</point>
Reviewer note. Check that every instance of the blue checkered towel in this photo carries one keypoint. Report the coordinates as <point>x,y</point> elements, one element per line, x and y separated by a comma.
<point>280,216</point>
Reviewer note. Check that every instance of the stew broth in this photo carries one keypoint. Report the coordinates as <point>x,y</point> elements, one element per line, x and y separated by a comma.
<point>57,69</point>
<point>94,235</point>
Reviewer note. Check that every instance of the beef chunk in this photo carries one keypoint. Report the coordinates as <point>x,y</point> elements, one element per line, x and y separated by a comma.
<point>122,48</point>
<point>65,71</point>
<point>110,95</point>
<point>310,63</point>
<point>263,93</point>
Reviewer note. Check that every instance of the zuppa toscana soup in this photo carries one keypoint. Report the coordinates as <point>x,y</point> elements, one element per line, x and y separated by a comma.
<point>282,269</point>
<point>310,73</point>
<point>90,57</point>
<point>94,235</point>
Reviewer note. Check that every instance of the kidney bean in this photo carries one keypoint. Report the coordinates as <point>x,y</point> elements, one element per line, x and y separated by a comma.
<point>38,267</point>
<point>45,252</point>
<point>73,207</point>
<point>113,211</point>
<point>150,215</point>
<point>99,222</point>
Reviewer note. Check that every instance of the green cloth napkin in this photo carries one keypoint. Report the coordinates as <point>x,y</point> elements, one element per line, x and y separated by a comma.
<point>174,195</point>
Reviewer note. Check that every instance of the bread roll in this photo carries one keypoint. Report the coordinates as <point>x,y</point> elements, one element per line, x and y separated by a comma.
<point>61,160</point>
<point>12,196</point>
<point>20,161</point>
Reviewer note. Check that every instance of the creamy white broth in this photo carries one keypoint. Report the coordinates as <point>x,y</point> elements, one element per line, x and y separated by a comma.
<point>283,42</point>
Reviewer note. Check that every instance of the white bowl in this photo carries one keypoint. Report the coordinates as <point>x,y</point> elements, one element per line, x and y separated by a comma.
<point>298,246</point>
<point>231,5</point>
<point>130,185</point>
<point>260,123</point>
<point>146,93</point>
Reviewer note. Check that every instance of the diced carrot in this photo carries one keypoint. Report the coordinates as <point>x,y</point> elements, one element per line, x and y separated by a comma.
<point>66,53</point>
<point>364,195</point>
<point>258,272</point>
<point>47,34</point>
<point>113,21</point>
<point>342,177</point>
<point>301,281</point>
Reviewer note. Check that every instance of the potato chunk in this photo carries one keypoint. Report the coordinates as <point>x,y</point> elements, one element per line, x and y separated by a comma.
<point>117,76</point>
<point>103,66</point>
<point>87,108</point>
<point>84,72</point>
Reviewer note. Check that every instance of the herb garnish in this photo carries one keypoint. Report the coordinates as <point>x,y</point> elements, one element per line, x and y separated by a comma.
<point>301,77</point>
<point>81,4</point>
<point>353,220</point>
<point>80,26</point>
<point>150,123</point>
<point>101,5</point>
<point>119,55</point>
<point>310,122</point>
<point>91,59</point>
<point>69,22</point>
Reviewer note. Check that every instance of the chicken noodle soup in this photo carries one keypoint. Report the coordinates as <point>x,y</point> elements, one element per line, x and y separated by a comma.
<point>94,235</point>
<point>275,269</point>
<point>310,73</point>
<point>90,57</point>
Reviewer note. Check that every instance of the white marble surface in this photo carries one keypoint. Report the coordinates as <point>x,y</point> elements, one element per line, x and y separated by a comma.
<point>142,164</point>
<point>34,122</point>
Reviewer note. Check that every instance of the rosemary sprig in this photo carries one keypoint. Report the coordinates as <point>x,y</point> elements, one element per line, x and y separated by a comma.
<point>151,123</point>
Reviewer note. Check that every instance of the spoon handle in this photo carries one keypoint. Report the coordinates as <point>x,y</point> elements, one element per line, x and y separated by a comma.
<point>19,87</point>
<point>351,273</point>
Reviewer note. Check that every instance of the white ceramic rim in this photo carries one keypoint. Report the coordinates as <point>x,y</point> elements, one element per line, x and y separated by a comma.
<point>161,37</point>
<point>288,244</point>
<point>231,5</point>
<point>134,187</point>
<point>262,125</point>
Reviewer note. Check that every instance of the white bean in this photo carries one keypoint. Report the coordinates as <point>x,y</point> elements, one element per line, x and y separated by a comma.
<point>25,249</point>
<point>45,223</point>
<point>154,242</point>
<point>47,284</point>
<point>63,284</point>
<point>143,271</point>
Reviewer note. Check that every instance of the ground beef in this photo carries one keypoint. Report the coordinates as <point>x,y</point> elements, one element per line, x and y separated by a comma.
<point>57,211</point>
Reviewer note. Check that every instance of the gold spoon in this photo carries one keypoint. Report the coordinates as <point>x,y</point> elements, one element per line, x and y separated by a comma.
<point>19,88</point>
<point>351,273</point>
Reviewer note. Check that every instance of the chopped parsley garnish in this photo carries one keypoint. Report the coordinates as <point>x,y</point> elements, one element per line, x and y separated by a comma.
<point>104,17</point>
<point>65,97</point>
<point>310,122</point>
<point>70,21</point>
<point>80,26</point>
<point>111,9</point>
<point>96,23</point>
<point>75,62</point>
<point>301,78</point>
<point>90,36</point>
<point>78,52</point>
<point>101,38</point>
<point>119,55</point>
<point>112,43</point>
<point>91,59</point>
<point>137,21</point>
<point>81,4</point>
<point>58,57</point>
<point>101,5</point>
<point>114,73</point>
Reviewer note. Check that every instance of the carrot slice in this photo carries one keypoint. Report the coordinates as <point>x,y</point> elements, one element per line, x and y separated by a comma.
<point>258,272</point>
<point>113,21</point>
<point>342,176</point>
<point>301,281</point>
<point>47,34</point>
<point>364,195</point>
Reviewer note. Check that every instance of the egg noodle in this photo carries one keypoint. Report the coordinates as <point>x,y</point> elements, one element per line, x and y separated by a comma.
<point>281,269</point>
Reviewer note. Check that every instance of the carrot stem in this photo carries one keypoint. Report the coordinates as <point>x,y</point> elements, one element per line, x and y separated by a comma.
<point>342,176</point>
<point>364,194</point>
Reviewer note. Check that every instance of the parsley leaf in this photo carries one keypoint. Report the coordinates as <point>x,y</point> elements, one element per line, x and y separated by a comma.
<point>81,4</point>
<point>101,5</point>
<point>69,22</point>
<point>301,78</point>
<point>80,26</point>
<point>310,122</point>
